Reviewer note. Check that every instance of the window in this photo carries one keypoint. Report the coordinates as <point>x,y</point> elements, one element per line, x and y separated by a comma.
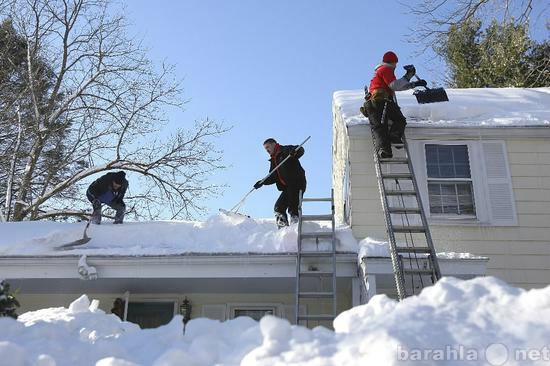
<point>150,314</point>
<point>450,188</point>
<point>256,312</point>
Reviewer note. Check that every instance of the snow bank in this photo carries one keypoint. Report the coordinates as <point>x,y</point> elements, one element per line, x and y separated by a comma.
<point>218,234</point>
<point>483,107</point>
<point>454,322</point>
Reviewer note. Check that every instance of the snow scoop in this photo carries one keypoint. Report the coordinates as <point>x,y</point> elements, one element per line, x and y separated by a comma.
<point>85,238</point>
<point>429,95</point>
<point>235,210</point>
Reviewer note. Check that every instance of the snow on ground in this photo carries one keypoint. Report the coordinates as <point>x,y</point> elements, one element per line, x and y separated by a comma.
<point>485,107</point>
<point>454,322</point>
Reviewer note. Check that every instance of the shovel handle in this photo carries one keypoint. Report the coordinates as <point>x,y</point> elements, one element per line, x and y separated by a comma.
<point>417,78</point>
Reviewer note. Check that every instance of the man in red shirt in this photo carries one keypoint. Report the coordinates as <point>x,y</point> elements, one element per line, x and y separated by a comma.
<point>380,97</point>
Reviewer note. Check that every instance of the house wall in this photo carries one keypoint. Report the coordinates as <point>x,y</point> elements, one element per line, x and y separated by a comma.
<point>285,301</point>
<point>518,254</point>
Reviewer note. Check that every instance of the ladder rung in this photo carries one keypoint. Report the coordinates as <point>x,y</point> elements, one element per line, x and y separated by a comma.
<point>417,271</point>
<point>397,175</point>
<point>316,295</point>
<point>398,210</point>
<point>316,199</point>
<point>320,234</point>
<point>316,254</point>
<point>413,250</point>
<point>316,217</point>
<point>316,274</point>
<point>400,193</point>
<point>315,317</point>
<point>409,229</point>
<point>393,160</point>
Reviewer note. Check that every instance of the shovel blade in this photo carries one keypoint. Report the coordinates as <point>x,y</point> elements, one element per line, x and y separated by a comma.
<point>431,96</point>
<point>233,214</point>
<point>75,243</point>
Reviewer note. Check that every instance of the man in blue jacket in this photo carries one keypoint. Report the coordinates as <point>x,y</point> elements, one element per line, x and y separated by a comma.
<point>110,190</point>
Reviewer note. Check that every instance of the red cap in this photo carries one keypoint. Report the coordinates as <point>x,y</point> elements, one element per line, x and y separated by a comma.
<point>390,58</point>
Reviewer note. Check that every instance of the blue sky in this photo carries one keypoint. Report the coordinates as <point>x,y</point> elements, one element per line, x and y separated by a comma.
<point>269,68</point>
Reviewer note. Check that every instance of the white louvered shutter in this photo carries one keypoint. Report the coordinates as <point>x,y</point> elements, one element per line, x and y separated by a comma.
<point>501,203</point>
<point>215,312</point>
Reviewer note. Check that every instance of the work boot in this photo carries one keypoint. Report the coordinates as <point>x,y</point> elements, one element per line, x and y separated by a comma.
<point>119,216</point>
<point>281,220</point>
<point>397,141</point>
<point>294,219</point>
<point>96,216</point>
<point>385,153</point>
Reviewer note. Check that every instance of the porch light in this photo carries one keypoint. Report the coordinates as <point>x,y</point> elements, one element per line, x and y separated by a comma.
<point>185,310</point>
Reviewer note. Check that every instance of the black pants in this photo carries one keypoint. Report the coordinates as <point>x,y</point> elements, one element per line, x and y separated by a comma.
<point>384,131</point>
<point>118,206</point>
<point>289,199</point>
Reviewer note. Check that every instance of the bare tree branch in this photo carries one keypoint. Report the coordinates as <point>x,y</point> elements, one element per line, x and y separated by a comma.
<point>94,102</point>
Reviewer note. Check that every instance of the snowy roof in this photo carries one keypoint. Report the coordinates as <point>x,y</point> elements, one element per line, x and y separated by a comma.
<point>219,234</point>
<point>475,107</point>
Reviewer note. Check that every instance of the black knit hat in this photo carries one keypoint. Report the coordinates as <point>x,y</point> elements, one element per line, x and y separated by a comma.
<point>119,177</point>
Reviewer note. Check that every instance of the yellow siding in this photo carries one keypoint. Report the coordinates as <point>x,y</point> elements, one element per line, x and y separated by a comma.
<point>31,302</point>
<point>520,254</point>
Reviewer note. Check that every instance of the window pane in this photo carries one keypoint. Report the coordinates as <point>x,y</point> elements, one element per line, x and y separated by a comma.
<point>150,314</point>
<point>253,313</point>
<point>451,198</point>
<point>447,161</point>
<point>433,171</point>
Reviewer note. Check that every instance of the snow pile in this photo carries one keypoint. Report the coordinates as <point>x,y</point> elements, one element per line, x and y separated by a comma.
<point>370,247</point>
<point>466,107</point>
<point>454,322</point>
<point>218,234</point>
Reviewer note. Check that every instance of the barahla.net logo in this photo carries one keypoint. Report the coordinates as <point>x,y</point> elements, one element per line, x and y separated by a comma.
<point>496,354</point>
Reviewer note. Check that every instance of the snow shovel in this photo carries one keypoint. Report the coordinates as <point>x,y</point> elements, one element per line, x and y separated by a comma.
<point>428,95</point>
<point>235,210</point>
<point>85,238</point>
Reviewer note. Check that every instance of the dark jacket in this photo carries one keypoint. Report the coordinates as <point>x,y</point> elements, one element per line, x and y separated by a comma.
<point>291,173</point>
<point>102,189</point>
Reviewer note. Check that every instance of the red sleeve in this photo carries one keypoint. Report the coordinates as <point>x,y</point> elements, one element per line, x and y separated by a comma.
<point>386,74</point>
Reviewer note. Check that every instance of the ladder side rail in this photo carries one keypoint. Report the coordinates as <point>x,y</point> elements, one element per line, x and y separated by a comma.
<point>298,257</point>
<point>423,214</point>
<point>334,300</point>
<point>399,280</point>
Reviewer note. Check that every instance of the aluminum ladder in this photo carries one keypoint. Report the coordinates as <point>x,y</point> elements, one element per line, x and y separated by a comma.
<point>415,264</point>
<point>316,267</point>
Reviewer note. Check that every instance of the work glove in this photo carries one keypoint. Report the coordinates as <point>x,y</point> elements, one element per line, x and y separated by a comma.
<point>411,71</point>
<point>292,153</point>
<point>421,82</point>
<point>258,184</point>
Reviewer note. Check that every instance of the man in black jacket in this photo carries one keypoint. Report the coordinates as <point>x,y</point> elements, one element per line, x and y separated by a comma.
<point>290,179</point>
<point>109,189</point>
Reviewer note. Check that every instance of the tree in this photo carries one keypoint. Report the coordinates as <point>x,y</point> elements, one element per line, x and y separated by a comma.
<point>494,57</point>
<point>88,100</point>
<point>437,17</point>
<point>8,302</point>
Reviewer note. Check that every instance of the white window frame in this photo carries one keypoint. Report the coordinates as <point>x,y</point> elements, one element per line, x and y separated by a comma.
<point>475,156</point>
<point>276,307</point>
